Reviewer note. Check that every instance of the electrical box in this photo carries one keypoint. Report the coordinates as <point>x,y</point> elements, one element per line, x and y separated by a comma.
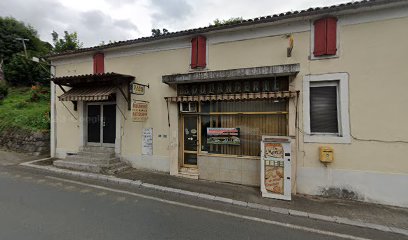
<point>326,154</point>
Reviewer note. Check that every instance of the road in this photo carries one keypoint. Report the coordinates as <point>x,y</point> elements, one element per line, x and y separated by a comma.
<point>34,205</point>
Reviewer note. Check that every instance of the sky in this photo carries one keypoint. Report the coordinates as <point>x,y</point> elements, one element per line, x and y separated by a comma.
<point>98,21</point>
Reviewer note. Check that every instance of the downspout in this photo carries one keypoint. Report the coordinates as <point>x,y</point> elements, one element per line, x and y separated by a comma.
<point>53,139</point>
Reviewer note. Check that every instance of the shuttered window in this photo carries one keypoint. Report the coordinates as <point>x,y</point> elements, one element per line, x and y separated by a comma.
<point>325,36</point>
<point>198,52</point>
<point>99,63</point>
<point>323,109</point>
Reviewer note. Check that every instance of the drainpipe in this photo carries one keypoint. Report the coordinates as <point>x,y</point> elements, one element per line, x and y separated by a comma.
<point>53,139</point>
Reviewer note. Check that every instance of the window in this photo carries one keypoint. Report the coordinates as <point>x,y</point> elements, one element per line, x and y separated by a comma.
<point>325,37</point>
<point>198,52</point>
<point>99,63</point>
<point>325,108</point>
<point>252,118</point>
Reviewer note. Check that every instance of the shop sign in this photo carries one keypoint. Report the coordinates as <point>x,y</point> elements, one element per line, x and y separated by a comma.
<point>138,89</point>
<point>276,168</point>
<point>223,136</point>
<point>147,141</point>
<point>139,111</point>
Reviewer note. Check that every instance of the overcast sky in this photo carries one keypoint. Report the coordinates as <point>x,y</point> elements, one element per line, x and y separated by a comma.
<point>103,20</point>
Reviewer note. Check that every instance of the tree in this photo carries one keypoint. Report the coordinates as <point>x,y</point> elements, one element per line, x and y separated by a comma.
<point>21,71</point>
<point>68,43</point>
<point>218,22</point>
<point>157,32</point>
<point>10,29</point>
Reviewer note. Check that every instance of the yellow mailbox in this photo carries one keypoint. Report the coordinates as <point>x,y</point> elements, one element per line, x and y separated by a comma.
<point>326,154</point>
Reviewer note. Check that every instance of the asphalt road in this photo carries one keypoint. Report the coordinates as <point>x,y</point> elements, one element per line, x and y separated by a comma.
<point>36,206</point>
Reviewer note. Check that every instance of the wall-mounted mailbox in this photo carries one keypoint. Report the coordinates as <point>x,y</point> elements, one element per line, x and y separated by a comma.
<point>326,154</point>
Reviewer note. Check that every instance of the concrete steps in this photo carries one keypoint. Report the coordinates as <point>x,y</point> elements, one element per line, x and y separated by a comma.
<point>191,173</point>
<point>93,159</point>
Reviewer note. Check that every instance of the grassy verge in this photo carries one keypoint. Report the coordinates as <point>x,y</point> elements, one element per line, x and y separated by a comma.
<point>25,109</point>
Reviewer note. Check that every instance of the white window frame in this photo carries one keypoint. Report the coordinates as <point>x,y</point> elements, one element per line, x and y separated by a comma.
<point>340,79</point>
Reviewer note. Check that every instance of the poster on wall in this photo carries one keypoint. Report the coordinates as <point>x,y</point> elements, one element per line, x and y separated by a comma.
<point>139,111</point>
<point>276,167</point>
<point>223,136</point>
<point>147,141</point>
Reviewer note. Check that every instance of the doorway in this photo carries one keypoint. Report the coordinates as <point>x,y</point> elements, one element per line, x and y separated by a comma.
<point>101,124</point>
<point>190,141</point>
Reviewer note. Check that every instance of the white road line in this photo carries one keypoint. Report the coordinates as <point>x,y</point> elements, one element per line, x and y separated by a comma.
<point>287,225</point>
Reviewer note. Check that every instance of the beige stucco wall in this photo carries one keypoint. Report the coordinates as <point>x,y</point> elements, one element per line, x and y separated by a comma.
<point>372,53</point>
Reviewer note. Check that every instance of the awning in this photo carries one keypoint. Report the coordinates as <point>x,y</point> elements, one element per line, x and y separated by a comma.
<point>233,97</point>
<point>90,79</point>
<point>233,74</point>
<point>101,93</point>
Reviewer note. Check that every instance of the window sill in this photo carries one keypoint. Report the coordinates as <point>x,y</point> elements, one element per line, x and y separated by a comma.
<point>312,58</point>
<point>322,138</point>
<point>228,156</point>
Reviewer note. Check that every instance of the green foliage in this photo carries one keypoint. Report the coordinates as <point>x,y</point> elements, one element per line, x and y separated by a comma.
<point>18,111</point>
<point>68,43</point>
<point>10,29</point>
<point>20,71</point>
<point>157,32</point>
<point>3,90</point>
<point>218,22</point>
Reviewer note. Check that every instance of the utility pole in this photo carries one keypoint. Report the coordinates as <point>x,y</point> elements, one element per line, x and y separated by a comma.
<point>23,40</point>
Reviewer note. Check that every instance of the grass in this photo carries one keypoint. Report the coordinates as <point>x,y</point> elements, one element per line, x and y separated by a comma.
<point>18,111</point>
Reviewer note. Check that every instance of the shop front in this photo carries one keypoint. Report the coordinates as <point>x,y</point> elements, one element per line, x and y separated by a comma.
<point>221,124</point>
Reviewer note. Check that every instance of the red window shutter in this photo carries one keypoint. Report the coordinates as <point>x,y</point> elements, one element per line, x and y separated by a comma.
<point>194,52</point>
<point>99,63</point>
<point>320,46</point>
<point>202,53</point>
<point>331,36</point>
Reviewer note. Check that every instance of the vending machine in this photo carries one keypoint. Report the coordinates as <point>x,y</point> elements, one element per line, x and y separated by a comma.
<point>276,167</point>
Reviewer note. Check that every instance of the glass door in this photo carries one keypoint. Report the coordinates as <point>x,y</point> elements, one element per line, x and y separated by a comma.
<point>190,141</point>
<point>101,124</point>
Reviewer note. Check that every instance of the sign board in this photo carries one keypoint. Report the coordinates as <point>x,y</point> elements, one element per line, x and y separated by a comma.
<point>147,141</point>
<point>139,111</point>
<point>276,167</point>
<point>223,136</point>
<point>138,89</point>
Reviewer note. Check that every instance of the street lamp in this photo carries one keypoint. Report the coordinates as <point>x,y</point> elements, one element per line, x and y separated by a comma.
<point>23,40</point>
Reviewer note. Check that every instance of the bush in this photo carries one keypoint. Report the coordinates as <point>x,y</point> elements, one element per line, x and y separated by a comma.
<point>3,90</point>
<point>23,72</point>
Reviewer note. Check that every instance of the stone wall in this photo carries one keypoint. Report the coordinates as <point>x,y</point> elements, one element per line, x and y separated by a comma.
<point>36,143</point>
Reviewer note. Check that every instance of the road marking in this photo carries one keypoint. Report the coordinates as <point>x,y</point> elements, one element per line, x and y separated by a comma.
<point>230,214</point>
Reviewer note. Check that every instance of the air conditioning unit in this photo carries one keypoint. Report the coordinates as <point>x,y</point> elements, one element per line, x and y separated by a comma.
<point>188,107</point>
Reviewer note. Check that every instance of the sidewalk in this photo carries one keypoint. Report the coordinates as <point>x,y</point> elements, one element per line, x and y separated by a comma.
<point>380,217</point>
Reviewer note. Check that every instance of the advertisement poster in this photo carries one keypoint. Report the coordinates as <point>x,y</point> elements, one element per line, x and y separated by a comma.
<point>139,111</point>
<point>276,167</point>
<point>147,141</point>
<point>223,136</point>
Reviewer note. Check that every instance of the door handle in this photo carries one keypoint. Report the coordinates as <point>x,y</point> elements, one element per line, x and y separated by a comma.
<point>104,123</point>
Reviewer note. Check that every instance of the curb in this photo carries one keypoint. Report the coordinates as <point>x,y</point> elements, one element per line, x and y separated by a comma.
<point>285,211</point>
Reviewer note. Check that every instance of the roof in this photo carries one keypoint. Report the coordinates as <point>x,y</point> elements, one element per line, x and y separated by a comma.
<point>88,79</point>
<point>248,22</point>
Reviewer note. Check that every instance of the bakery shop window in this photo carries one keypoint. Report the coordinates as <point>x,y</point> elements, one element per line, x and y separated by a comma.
<point>236,127</point>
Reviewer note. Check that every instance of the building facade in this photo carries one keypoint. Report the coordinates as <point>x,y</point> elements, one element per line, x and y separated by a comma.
<point>325,77</point>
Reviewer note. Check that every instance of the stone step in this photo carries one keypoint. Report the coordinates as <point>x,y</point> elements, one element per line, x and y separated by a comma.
<point>92,160</point>
<point>86,167</point>
<point>191,173</point>
<point>97,149</point>
<point>100,155</point>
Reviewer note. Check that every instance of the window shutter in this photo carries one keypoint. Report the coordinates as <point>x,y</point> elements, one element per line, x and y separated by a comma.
<point>99,63</point>
<point>194,52</point>
<point>331,36</point>
<point>323,110</point>
<point>202,53</point>
<point>320,29</point>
